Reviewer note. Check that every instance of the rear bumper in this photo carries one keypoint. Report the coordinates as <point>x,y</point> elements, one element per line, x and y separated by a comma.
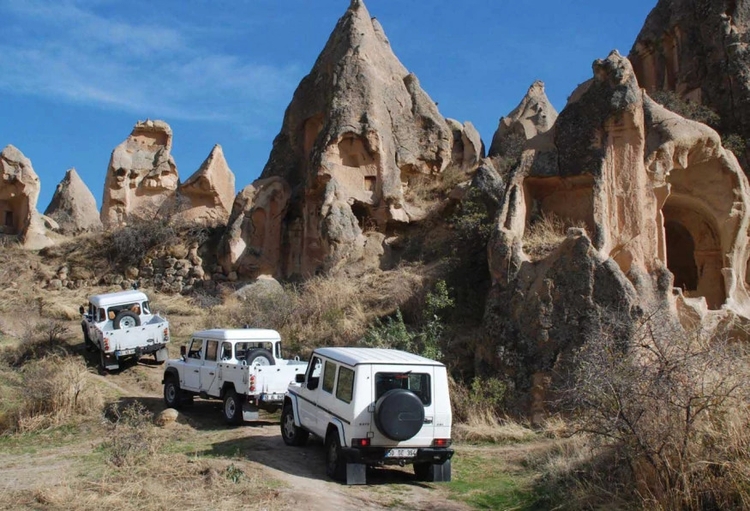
<point>139,351</point>
<point>376,455</point>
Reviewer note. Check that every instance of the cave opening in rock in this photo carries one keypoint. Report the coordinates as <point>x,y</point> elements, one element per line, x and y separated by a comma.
<point>362,213</point>
<point>681,256</point>
<point>693,250</point>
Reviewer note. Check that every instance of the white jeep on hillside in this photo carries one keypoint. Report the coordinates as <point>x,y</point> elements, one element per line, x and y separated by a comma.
<point>242,367</point>
<point>121,325</point>
<point>372,407</point>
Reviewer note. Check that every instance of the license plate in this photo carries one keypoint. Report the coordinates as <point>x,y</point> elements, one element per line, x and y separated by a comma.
<point>272,397</point>
<point>127,352</point>
<point>401,453</point>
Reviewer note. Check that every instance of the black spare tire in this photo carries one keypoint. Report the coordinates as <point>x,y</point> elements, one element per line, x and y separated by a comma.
<point>126,319</point>
<point>399,414</point>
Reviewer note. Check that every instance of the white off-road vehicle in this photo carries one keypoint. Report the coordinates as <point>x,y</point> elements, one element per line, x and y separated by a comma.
<point>372,407</point>
<point>121,325</point>
<point>242,367</point>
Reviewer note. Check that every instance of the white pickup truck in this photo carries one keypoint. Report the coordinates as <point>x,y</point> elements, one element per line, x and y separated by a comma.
<point>242,367</point>
<point>120,325</point>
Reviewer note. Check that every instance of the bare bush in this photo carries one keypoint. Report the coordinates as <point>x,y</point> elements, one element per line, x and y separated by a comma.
<point>672,406</point>
<point>50,392</point>
<point>545,233</point>
<point>132,438</point>
<point>38,340</point>
<point>129,244</point>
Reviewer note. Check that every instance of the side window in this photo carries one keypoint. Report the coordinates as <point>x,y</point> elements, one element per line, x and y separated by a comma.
<point>196,347</point>
<point>226,351</point>
<point>329,376</point>
<point>146,308</point>
<point>345,387</point>
<point>211,348</point>
<point>102,317</point>
<point>313,373</point>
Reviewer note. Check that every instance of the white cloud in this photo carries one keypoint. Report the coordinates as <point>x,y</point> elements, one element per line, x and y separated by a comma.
<point>66,51</point>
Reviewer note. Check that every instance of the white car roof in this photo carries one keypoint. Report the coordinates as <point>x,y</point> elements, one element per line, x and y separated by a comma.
<point>355,356</point>
<point>239,334</point>
<point>107,299</point>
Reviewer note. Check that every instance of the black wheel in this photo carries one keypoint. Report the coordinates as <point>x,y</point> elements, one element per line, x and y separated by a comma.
<point>260,357</point>
<point>232,407</point>
<point>433,473</point>
<point>335,465</point>
<point>126,319</point>
<point>399,414</point>
<point>291,433</point>
<point>102,362</point>
<point>172,392</point>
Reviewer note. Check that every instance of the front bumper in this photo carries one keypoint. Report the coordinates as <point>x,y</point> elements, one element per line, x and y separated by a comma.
<point>376,455</point>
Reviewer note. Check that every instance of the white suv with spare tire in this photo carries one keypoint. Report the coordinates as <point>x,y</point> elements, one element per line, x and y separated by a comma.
<point>372,407</point>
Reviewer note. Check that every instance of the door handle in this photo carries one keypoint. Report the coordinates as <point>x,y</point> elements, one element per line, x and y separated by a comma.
<point>196,370</point>
<point>210,374</point>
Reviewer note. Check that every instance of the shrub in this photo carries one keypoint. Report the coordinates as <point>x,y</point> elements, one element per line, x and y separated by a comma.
<point>545,233</point>
<point>39,339</point>
<point>129,244</point>
<point>688,109</point>
<point>673,406</point>
<point>49,392</point>
<point>132,437</point>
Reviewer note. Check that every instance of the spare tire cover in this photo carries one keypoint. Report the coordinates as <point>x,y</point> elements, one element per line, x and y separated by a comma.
<point>399,414</point>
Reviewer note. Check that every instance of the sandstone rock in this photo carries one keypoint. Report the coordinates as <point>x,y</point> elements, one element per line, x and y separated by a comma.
<point>73,206</point>
<point>699,51</point>
<point>166,417</point>
<point>142,176</point>
<point>361,123</point>
<point>206,197</point>
<point>467,148</point>
<point>533,116</point>
<point>265,286</point>
<point>663,205</point>
<point>19,192</point>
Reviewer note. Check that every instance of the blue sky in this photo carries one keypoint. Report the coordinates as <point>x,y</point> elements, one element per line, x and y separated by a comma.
<point>76,75</point>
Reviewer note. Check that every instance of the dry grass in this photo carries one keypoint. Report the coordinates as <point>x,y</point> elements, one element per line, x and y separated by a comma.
<point>484,427</point>
<point>545,234</point>
<point>164,482</point>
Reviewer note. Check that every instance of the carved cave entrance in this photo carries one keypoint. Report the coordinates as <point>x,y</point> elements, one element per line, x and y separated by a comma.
<point>694,251</point>
<point>12,212</point>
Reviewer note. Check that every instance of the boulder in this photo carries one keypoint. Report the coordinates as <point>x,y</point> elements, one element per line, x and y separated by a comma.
<point>467,148</point>
<point>19,192</point>
<point>264,287</point>
<point>359,129</point>
<point>142,177</point>
<point>73,206</point>
<point>206,197</point>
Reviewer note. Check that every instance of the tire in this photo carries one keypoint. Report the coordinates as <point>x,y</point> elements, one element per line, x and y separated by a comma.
<point>290,432</point>
<point>232,408</point>
<point>399,414</point>
<point>126,319</point>
<point>260,356</point>
<point>335,465</point>
<point>172,392</point>
<point>432,473</point>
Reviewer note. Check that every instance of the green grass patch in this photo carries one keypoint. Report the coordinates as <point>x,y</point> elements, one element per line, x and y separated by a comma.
<point>486,481</point>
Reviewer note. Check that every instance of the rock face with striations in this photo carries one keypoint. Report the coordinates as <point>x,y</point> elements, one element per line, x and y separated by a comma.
<point>699,50</point>
<point>358,133</point>
<point>206,197</point>
<point>73,206</point>
<point>142,176</point>
<point>662,212</point>
<point>19,192</point>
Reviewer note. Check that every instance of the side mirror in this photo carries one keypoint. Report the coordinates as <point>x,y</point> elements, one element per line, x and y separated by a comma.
<point>183,351</point>
<point>299,378</point>
<point>81,309</point>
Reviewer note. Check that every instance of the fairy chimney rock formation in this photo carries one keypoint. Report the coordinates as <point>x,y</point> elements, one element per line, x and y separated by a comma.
<point>660,212</point>
<point>533,116</point>
<point>207,196</point>
<point>73,206</point>
<point>467,148</point>
<point>141,177</point>
<point>358,131</point>
<point>699,51</point>
<point>19,192</point>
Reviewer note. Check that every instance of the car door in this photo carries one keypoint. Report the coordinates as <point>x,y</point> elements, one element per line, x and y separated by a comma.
<point>209,382</point>
<point>308,395</point>
<point>193,363</point>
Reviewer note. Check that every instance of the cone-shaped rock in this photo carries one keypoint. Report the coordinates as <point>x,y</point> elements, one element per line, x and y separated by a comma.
<point>357,131</point>
<point>141,177</point>
<point>19,192</point>
<point>73,206</point>
<point>533,116</point>
<point>207,196</point>
<point>699,51</point>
